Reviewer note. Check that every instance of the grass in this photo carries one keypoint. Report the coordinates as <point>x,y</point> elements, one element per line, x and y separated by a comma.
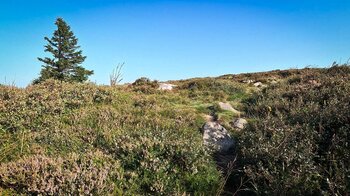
<point>146,141</point>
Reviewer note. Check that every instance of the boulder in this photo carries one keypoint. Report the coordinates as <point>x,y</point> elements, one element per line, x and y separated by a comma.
<point>260,85</point>
<point>257,84</point>
<point>228,107</point>
<point>217,137</point>
<point>166,86</point>
<point>273,82</point>
<point>239,123</point>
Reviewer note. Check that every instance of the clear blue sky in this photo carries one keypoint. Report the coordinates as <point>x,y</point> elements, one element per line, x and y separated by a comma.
<point>167,40</point>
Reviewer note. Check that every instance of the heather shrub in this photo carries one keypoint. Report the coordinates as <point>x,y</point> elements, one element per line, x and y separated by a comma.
<point>211,84</point>
<point>13,145</point>
<point>142,81</point>
<point>166,162</point>
<point>210,89</point>
<point>338,70</point>
<point>89,174</point>
<point>294,80</point>
<point>145,85</point>
<point>158,145</point>
<point>279,158</point>
<point>63,138</point>
<point>285,73</point>
<point>39,107</point>
<point>299,144</point>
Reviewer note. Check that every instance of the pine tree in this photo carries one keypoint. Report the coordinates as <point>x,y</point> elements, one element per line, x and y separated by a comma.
<point>65,64</point>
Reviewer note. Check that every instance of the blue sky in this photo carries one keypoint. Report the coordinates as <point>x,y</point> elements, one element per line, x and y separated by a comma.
<point>167,40</point>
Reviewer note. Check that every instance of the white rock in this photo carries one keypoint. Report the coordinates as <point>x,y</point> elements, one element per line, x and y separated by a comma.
<point>257,84</point>
<point>239,123</point>
<point>217,137</point>
<point>248,81</point>
<point>166,86</point>
<point>227,106</point>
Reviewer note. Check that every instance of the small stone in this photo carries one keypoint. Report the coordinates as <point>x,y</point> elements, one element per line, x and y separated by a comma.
<point>248,81</point>
<point>239,123</point>
<point>228,107</point>
<point>257,84</point>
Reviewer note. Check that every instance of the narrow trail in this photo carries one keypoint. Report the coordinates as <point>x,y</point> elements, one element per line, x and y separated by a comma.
<point>225,158</point>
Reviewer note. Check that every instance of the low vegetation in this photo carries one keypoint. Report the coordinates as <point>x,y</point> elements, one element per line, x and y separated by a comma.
<point>299,143</point>
<point>81,138</point>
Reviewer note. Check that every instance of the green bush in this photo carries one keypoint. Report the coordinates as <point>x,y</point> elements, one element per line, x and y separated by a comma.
<point>145,85</point>
<point>39,107</point>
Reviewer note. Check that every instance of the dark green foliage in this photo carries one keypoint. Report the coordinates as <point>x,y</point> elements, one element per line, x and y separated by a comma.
<point>145,81</point>
<point>294,80</point>
<point>65,64</point>
<point>142,81</point>
<point>285,73</point>
<point>145,85</point>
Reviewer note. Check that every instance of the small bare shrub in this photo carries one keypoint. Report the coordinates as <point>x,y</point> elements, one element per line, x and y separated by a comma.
<point>116,76</point>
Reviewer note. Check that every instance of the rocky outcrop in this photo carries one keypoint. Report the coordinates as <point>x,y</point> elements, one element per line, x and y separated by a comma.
<point>216,137</point>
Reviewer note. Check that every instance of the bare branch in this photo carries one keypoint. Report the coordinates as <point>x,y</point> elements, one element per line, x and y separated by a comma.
<point>116,76</point>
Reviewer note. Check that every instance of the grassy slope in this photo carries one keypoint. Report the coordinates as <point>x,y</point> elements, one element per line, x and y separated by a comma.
<point>147,141</point>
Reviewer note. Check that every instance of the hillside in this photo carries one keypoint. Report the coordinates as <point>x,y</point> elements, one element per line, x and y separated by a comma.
<point>62,138</point>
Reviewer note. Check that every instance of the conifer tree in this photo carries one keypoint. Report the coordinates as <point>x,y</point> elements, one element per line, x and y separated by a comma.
<point>65,64</point>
